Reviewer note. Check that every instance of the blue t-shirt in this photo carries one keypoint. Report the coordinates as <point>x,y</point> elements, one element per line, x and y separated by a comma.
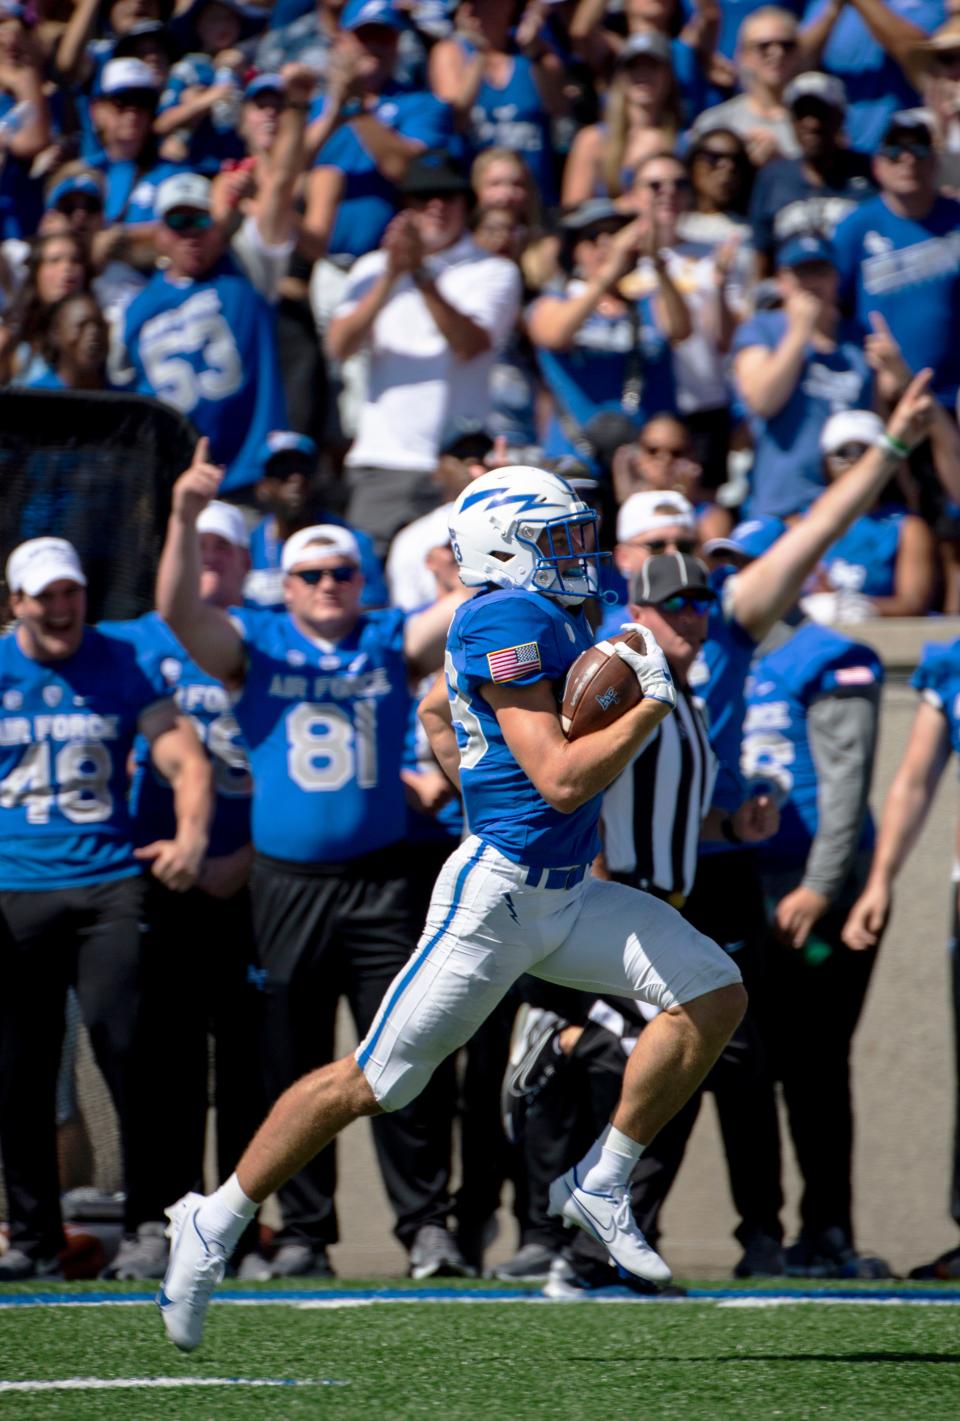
<point>264,584</point>
<point>515,117</point>
<point>324,725</point>
<point>66,731</point>
<point>132,188</point>
<point>875,83</point>
<point>21,197</point>
<point>209,348</point>
<point>369,199</point>
<point>590,377</point>
<point>909,271</point>
<point>937,678</point>
<point>816,662</point>
<point>521,638</point>
<point>208,705</point>
<point>215,137</point>
<point>865,559</point>
<point>785,204</point>
<point>788,465</point>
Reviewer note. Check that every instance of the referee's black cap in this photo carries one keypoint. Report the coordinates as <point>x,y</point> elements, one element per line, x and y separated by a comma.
<point>666,574</point>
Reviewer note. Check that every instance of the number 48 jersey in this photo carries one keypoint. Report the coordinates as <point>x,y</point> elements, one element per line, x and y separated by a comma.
<point>66,730</point>
<point>324,725</point>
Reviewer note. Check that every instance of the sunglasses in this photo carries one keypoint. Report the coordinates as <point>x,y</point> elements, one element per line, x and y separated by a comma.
<point>659,185</point>
<point>715,157</point>
<point>848,453</point>
<point>895,151</point>
<point>313,576</point>
<point>663,545</point>
<point>188,221</point>
<point>681,602</point>
<point>764,46</point>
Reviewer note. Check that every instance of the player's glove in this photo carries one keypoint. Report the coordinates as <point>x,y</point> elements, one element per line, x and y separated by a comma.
<point>649,667</point>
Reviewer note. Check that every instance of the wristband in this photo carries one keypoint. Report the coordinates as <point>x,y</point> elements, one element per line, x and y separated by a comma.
<point>729,832</point>
<point>891,445</point>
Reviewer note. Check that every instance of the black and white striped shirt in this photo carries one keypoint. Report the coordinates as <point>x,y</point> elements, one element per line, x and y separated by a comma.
<point>653,811</point>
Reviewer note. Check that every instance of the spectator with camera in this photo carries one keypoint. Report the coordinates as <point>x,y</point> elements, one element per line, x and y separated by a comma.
<point>600,350</point>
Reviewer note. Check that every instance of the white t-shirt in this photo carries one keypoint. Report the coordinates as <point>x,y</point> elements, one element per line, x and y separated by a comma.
<point>417,387</point>
<point>264,266</point>
<point>412,585</point>
<point>699,367</point>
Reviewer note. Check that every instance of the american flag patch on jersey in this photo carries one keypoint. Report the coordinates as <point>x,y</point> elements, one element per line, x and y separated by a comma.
<point>514,661</point>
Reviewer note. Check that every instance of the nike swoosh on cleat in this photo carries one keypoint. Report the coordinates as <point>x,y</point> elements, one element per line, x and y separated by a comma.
<point>162,1300</point>
<point>606,1235</point>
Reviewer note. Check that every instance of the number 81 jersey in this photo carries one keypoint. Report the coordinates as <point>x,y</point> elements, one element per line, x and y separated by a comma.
<point>324,725</point>
<point>66,730</point>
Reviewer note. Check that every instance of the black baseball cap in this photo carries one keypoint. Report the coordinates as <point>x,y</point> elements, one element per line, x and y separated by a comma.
<point>434,174</point>
<point>665,575</point>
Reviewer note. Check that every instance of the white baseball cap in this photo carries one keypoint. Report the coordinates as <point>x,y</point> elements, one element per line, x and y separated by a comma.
<point>654,508</point>
<point>120,76</point>
<point>183,190</point>
<point>226,521</point>
<point>38,562</point>
<point>323,540</point>
<point>850,427</point>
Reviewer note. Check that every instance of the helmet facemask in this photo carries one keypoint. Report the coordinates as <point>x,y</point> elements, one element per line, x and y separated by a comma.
<point>566,556</point>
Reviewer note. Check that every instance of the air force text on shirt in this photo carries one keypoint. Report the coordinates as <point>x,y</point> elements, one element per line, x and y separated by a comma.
<point>337,688</point>
<point>63,726</point>
<point>909,266</point>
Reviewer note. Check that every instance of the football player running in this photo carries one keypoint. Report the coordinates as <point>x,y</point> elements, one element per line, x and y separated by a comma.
<point>515,897</point>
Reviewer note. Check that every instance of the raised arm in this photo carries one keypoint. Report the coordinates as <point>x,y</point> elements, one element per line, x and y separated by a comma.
<point>206,632</point>
<point>899,37</point>
<point>425,634</point>
<point>767,378</point>
<point>904,812</point>
<point>763,591</point>
<point>274,209</point>
<point>71,64</point>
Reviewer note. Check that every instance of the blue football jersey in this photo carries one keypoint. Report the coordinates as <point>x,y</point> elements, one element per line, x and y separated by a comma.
<point>209,348</point>
<point>521,638</point>
<point>937,678</point>
<point>324,725</point>
<point>815,662</point>
<point>210,708</point>
<point>66,730</point>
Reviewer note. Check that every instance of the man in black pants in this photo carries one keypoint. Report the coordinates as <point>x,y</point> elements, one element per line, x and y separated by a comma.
<point>322,701</point>
<point>71,890</point>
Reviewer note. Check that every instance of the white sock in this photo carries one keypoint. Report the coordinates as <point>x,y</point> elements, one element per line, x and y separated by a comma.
<point>609,1161</point>
<point>226,1212</point>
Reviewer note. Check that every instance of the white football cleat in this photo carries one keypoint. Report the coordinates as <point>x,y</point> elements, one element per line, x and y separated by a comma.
<point>195,1268</point>
<point>609,1219</point>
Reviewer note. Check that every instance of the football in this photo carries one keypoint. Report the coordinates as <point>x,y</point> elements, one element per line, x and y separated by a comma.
<point>599,687</point>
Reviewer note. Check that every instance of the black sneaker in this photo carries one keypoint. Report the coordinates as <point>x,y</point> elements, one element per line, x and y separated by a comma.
<point>535,1059</point>
<point>944,1267</point>
<point>763,1257</point>
<point>831,1254</point>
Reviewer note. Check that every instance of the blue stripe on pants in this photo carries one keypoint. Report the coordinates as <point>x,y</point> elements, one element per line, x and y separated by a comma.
<point>420,957</point>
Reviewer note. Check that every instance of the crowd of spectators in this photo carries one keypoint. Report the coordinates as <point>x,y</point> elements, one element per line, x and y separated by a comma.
<point>688,253</point>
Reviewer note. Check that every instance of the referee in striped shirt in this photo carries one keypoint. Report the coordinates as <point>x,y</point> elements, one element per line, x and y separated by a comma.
<point>656,812</point>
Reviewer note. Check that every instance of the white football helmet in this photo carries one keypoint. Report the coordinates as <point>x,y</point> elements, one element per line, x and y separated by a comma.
<point>523,527</point>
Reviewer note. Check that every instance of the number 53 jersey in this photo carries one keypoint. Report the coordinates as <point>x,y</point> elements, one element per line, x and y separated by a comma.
<point>324,726</point>
<point>66,730</point>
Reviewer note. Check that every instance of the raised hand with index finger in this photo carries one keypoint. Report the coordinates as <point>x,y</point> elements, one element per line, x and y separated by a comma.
<point>197,485</point>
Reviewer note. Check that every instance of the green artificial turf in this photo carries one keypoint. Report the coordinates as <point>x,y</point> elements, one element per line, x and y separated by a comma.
<point>586,1361</point>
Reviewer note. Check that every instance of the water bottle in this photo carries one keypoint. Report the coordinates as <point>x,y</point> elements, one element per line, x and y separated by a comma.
<point>226,111</point>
